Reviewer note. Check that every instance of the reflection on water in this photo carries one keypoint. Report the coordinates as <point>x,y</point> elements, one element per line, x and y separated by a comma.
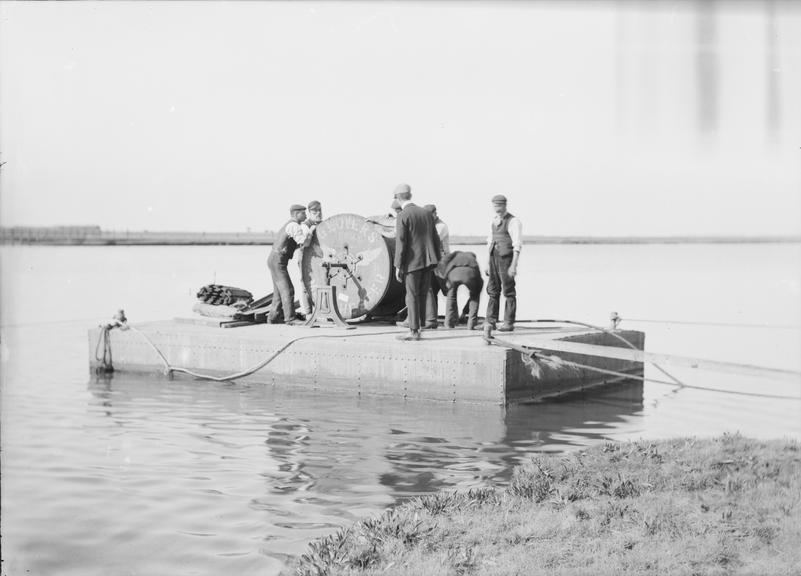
<point>327,443</point>
<point>157,476</point>
<point>240,476</point>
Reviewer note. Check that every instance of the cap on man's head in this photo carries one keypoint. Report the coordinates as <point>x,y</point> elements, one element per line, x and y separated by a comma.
<point>314,205</point>
<point>402,189</point>
<point>499,199</point>
<point>295,208</point>
<point>430,207</point>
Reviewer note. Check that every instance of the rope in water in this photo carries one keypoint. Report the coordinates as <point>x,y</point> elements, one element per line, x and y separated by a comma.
<point>713,365</point>
<point>539,355</point>
<point>531,352</point>
<point>676,381</point>
<point>718,324</point>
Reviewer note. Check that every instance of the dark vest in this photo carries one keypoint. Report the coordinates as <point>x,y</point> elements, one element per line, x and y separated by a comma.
<point>501,240</point>
<point>285,245</point>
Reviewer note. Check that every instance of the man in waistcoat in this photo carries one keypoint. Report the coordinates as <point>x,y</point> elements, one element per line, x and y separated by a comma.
<point>504,242</point>
<point>315,217</point>
<point>460,269</point>
<point>291,235</point>
<point>417,252</point>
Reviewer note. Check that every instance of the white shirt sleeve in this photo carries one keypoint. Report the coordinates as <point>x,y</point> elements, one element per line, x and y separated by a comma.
<point>309,233</point>
<point>444,237</point>
<point>516,232</point>
<point>297,232</point>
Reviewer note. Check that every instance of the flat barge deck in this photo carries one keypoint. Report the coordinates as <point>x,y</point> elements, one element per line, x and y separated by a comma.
<point>450,365</point>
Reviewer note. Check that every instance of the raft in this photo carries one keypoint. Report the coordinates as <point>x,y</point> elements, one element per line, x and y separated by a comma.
<point>350,264</point>
<point>456,365</point>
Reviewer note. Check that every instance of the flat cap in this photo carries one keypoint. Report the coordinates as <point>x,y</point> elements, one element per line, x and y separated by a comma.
<point>296,207</point>
<point>430,207</point>
<point>314,205</point>
<point>499,199</point>
<point>403,189</point>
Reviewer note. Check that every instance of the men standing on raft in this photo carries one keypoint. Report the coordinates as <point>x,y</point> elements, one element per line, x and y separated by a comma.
<point>417,252</point>
<point>292,235</point>
<point>504,242</point>
<point>315,217</point>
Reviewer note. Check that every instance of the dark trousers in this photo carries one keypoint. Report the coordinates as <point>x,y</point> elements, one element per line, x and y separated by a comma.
<point>283,291</point>
<point>432,300</point>
<point>416,283</point>
<point>499,282</point>
<point>463,276</point>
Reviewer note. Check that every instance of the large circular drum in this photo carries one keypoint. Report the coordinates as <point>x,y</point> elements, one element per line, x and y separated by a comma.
<point>356,255</point>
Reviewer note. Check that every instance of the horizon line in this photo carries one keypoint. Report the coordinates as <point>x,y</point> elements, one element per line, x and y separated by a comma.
<point>94,235</point>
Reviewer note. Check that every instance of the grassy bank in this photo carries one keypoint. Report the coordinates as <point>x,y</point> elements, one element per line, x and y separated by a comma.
<point>728,505</point>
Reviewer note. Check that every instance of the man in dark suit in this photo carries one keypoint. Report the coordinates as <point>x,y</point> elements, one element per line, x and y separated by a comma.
<point>417,252</point>
<point>460,269</point>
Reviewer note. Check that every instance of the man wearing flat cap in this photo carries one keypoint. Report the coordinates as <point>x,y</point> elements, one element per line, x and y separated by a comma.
<point>504,242</point>
<point>417,252</point>
<point>290,237</point>
<point>304,263</point>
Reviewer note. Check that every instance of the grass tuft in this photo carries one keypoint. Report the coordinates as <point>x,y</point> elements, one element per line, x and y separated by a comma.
<point>726,505</point>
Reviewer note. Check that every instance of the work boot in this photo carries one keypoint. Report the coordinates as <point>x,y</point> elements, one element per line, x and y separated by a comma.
<point>431,326</point>
<point>506,327</point>
<point>410,337</point>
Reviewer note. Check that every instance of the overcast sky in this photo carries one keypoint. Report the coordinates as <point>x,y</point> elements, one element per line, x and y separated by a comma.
<point>593,118</point>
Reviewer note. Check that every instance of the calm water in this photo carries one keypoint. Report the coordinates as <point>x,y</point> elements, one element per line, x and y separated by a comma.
<point>147,476</point>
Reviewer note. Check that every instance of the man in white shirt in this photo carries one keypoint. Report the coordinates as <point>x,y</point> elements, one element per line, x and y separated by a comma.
<point>304,263</point>
<point>290,237</point>
<point>504,242</point>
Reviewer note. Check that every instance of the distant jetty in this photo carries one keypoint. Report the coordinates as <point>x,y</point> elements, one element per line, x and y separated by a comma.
<point>95,236</point>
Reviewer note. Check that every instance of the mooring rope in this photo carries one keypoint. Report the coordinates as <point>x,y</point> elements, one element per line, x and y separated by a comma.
<point>676,381</point>
<point>168,368</point>
<point>717,324</point>
<point>536,354</point>
<point>106,364</point>
<point>118,321</point>
<point>47,322</point>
